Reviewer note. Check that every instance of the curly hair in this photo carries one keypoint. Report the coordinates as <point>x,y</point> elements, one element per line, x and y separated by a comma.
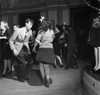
<point>5,23</point>
<point>45,25</point>
<point>96,22</point>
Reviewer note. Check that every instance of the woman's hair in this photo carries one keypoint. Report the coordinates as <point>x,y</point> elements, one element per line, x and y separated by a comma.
<point>5,24</point>
<point>96,22</point>
<point>45,25</point>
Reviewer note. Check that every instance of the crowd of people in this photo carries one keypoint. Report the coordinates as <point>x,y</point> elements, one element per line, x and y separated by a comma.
<point>53,46</point>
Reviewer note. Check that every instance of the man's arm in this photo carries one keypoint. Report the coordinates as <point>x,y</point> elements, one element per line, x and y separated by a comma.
<point>12,39</point>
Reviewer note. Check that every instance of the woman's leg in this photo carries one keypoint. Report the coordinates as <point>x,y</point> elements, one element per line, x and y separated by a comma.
<point>59,58</point>
<point>9,65</point>
<point>48,80</point>
<point>5,66</point>
<point>47,71</point>
<point>98,58</point>
<point>41,65</point>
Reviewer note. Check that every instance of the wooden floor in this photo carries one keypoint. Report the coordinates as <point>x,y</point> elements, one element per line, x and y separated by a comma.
<point>65,82</point>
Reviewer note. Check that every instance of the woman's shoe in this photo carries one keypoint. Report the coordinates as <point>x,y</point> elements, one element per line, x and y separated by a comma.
<point>3,75</point>
<point>48,82</point>
<point>66,67</point>
<point>55,66</point>
<point>61,65</point>
<point>74,67</point>
<point>10,72</point>
<point>43,81</point>
<point>27,78</point>
<point>97,71</point>
<point>21,79</point>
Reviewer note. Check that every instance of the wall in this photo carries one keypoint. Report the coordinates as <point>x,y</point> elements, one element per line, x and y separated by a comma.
<point>51,12</point>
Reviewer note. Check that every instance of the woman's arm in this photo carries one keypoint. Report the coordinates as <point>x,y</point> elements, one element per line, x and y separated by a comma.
<point>35,45</point>
<point>37,41</point>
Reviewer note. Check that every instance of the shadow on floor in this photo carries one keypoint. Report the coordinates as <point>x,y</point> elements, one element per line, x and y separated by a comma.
<point>34,78</point>
<point>33,75</point>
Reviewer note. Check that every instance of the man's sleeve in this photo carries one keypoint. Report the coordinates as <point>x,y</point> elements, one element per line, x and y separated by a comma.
<point>12,39</point>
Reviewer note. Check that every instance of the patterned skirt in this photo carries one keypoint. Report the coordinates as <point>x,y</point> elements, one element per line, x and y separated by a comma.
<point>46,56</point>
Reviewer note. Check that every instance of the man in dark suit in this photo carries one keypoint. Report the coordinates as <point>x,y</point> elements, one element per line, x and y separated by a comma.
<point>71,49</point>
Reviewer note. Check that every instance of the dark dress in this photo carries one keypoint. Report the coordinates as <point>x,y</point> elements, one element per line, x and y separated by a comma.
<point>95,37</point>
<point>56,44</point>
<point>71,48</point>
<point>46,56</point>
<point>5,48</point>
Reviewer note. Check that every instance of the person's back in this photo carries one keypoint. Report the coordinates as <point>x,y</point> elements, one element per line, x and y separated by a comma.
<point>71,40</point>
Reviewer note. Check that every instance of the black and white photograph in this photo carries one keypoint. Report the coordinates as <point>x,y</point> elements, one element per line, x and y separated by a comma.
<point>49,47</point>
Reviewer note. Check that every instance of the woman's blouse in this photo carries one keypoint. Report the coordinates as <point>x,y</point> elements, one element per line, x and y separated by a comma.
<point>45,39</point>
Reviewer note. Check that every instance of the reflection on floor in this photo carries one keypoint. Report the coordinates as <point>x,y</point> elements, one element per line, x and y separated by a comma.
<point>65,82</point>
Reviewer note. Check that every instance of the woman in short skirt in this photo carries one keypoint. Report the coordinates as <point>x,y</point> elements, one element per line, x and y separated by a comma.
<point>95,41</point>
<point>45,55</point>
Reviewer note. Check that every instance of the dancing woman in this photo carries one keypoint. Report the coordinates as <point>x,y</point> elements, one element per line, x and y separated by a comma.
<point>95,41</point>
<point>57,46</point>
<point>45,55</point>
<point>6,51</point>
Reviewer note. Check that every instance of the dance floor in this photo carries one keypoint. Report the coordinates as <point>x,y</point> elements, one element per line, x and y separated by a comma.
<point>65,82</point>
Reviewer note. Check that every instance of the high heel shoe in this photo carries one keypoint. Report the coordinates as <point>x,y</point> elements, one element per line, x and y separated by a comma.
<point>3,75</point>
<point>43,81</point>
<point>48,82</point>
<point>10,72</point>
<point>61,65</point>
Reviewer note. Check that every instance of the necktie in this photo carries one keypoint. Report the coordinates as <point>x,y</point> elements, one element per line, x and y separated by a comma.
<point>26,33</point>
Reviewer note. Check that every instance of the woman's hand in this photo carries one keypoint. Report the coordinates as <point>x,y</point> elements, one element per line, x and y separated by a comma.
<point>34,50</point>
<point>65,44</point>
<point>15,52</point>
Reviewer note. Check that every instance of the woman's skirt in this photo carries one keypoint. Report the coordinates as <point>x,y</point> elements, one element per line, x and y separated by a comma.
<point>46,56</point>
<point>95,37</point>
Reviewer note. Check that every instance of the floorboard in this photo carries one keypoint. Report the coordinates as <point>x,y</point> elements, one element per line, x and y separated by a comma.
<point>65,82</point>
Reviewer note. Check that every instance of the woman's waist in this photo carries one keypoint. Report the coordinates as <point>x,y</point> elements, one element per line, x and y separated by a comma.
<point>46,46</point>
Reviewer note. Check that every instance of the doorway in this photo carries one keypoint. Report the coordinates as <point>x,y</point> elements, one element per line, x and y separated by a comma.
<point>35,16</point>
<point>81,23</point>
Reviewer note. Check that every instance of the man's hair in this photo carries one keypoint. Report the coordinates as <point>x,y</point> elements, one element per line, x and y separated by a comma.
<point>29,20</point>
